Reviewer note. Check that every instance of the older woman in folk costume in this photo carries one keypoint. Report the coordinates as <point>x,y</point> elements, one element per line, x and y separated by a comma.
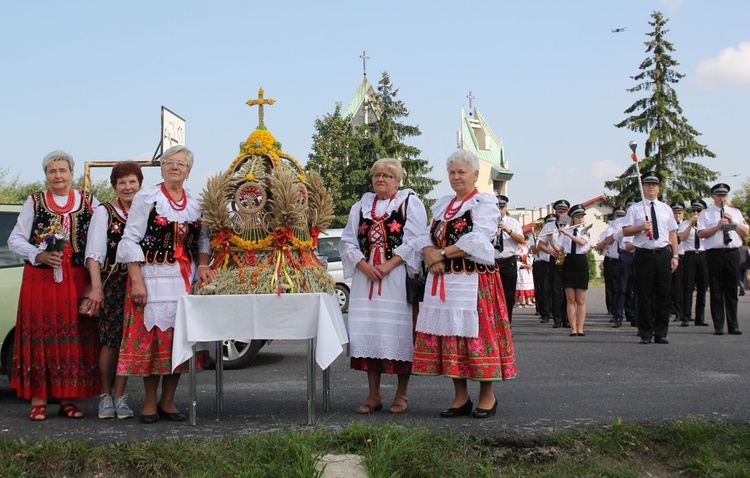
<point>462,329</point>
<point>575,243</point>
<point>162,241</point>
<point>108,282</point>
<point>377,251</point>
<point>55,350</point>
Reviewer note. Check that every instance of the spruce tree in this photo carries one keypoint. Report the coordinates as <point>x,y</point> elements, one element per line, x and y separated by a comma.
<point>670,141</point>
<point>388,137</point>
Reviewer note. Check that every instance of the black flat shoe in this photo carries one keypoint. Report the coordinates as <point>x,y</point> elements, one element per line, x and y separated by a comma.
<point>645,341</point>
<point>484,413</point>
<point>661,340</point>
<point>149,419</point>
<point>170,417</point>
<point>702,324</point>
<point>461,411</point>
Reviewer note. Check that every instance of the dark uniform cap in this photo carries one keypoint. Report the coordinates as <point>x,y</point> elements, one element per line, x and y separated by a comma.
<point>677,207</point>
<point>550,217</point>
<point>650,177</point>
<point>502,200</point>
<point>561,204</point>
<point>698,204</point>
<point>720,188</point>
<point>577,210</point>
<point>629,203</point>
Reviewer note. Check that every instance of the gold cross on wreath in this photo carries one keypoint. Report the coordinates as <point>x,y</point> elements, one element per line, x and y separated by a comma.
<point>260,101</point>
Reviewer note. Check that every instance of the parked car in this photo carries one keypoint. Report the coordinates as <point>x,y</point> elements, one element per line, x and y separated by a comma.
<point>328,246</point>
<point>11,271</point>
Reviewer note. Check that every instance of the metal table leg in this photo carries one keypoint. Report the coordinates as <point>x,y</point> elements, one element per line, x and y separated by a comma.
<point>326,388</point>
<point>192,388</point>
<point>311,382</point>
<point>219,377</point>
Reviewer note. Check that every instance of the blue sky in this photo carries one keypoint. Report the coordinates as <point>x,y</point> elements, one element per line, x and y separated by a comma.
<point>550,78</point>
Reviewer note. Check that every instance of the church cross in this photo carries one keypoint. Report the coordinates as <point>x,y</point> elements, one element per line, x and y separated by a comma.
<point>471,97</point>
<point>260,101</point>
<point>364,61</point>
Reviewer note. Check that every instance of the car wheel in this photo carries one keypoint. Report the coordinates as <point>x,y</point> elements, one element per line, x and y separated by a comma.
<point>238,354</point>
<point>342,293</point>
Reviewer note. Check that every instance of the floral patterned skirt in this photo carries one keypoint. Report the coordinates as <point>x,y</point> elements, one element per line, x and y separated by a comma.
<point>56,352</point>
<point>148,352</point>
<point>112,315</point>
<point>488,357</point>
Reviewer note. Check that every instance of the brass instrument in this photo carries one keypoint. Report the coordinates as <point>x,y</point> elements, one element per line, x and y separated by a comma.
<point>727,235</point>
<point>560,257</point>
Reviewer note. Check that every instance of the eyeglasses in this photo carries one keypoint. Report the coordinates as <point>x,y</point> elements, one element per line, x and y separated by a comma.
<point>383,176</point>
<point>170,162</point>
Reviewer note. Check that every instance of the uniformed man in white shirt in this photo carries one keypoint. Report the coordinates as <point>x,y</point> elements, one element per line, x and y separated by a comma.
<point>694,267</point>
<point>678,210</point>
<point>654,231</point>
<point>722,227</point>
<point>509,236</point>
<point>549,242</point>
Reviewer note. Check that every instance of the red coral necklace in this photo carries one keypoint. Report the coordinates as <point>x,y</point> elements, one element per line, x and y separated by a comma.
<point>451,211</point>
<point>122,206</point>
<point>374,204</point>
<point>65,208</point>
<point>176,205</point>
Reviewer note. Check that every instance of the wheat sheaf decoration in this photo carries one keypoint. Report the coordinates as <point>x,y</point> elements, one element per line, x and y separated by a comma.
<point>263,215</point>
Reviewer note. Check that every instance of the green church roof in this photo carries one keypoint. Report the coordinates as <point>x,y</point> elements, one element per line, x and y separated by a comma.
<point>479,138</point>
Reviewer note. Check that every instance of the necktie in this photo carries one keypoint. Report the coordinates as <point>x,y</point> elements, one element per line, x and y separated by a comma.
<point>654,224</point>
<point>697,240</point>
<point>573,243</point>
<point>499,242</point>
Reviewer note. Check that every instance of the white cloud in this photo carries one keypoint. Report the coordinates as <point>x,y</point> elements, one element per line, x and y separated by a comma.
<point>671,6</point>
<point>606,170</point>
<point>730,68</point>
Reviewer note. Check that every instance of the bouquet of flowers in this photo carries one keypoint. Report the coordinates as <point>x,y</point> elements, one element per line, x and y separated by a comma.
<point>54,239</point>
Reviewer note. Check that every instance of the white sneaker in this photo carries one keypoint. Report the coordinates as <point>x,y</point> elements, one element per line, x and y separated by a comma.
<point>106,408</point>
<point>122,408</point>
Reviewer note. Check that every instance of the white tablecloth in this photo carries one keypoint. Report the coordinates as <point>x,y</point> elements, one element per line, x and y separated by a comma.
<point>208,318</point>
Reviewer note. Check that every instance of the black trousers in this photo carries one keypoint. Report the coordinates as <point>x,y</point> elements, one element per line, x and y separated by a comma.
<point>626,303</point>
<point>508,268</point>
<point>611,282</point>
<point>653,270</point>
<point>677,280</point>
<point>694,279</point>
<point>723,267</point>
<point>559,303</point>
<point>541,288</point>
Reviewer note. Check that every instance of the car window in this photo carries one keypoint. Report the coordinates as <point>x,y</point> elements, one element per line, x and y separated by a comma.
<point>329,247</point>
<point>7,222</point>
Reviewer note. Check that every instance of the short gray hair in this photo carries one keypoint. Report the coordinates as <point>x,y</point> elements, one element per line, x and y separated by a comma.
<point>176,149</point>
<point>390,163</point>
<point>463,156</point>
<point>58,155</point>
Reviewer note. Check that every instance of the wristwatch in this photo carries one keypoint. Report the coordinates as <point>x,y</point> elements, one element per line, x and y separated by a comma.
<point>442,252</point>
<point>675,256</point>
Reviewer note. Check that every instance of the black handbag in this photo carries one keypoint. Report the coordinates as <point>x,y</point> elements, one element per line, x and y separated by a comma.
<point>415,288</point>
<point>414,285</point>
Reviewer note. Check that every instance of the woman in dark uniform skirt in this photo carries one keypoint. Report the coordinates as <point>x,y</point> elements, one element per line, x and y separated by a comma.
<point>575,269</point>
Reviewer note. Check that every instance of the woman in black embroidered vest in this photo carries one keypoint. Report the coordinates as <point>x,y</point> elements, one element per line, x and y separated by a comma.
<point>463,329</point>
<point>376,252</point>
<point>161,246</point>
<point>55,352</point>
<point>108,280</point>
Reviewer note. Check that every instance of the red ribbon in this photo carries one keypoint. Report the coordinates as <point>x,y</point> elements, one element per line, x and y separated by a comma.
<point>438,280</point>
<point>376,261</point>
<point>185,269</point>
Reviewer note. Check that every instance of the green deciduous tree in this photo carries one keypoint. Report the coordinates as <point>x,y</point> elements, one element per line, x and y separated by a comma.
<point>741,199</point>
<point>671,141</point>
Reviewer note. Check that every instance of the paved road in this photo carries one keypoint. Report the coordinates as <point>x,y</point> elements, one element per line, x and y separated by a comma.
<point>562,381</point>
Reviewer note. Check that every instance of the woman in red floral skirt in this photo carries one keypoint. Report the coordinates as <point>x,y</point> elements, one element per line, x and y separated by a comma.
<point>55,351</point>
<point>462,329</point>
<point>162,241</point>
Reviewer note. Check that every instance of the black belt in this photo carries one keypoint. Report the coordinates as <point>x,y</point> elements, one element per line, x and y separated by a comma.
<point>661,250</point>
<point>506,260</point>
<point>693,253</point>
<point>610,259</point>
<point>623,251</point>
<point>723,249</point>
